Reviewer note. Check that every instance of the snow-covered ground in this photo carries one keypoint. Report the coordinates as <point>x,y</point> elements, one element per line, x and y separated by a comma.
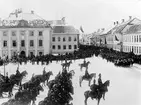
<point>124,89</point>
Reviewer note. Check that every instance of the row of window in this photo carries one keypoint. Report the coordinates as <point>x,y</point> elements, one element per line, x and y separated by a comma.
<point>31,43</point>
<point>136,38</point>
<point>64,39</point>
<point>31,33</point>
<point>64,47</point>
<point>136,49</point>
<point>31,53</point>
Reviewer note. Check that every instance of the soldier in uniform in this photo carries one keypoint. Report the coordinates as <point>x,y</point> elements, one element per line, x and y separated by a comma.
<point>44,72</point>
<point>94,89</point>
<point>6,78</point>
<point>86,74</point>
<point>17,72</point>
<point>99,80</point>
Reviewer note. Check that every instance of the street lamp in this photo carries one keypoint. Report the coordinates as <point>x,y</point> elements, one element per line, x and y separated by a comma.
<point>18,59</point>
<point>4,63</point>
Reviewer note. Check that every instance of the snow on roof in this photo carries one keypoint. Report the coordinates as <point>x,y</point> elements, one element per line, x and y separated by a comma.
<point>65,29</point>
<point>32,20</point>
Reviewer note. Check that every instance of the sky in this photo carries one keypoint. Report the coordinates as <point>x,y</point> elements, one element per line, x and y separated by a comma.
<point>90,14</point>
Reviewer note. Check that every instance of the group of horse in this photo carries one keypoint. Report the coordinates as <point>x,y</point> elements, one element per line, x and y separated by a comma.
<point>101,90</point>
<point>27,91</point>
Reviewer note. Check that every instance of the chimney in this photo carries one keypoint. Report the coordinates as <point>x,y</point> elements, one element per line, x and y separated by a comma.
<point>98,30</point>
<point>102,29</point>
<point>122,20</point>
<point>117,22</point>
<point>130,17</point>
<point>32,12</point>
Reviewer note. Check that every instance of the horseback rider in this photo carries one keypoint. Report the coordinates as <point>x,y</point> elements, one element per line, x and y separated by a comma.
<point>94,88</point>
<point>65,60</point>
<point>6,78</point>
<point>17,72</point>
<point>44,72</point>
<point>84,62</point>
<point>99,80</point>
<point>86,73</point>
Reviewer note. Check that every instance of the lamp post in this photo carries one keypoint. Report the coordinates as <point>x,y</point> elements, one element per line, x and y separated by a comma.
<point>18,60</point>
<point>4,63</point>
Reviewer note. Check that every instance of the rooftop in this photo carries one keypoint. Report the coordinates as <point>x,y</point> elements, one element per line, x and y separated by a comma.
<point>65,29</point>
<point>20,19</point>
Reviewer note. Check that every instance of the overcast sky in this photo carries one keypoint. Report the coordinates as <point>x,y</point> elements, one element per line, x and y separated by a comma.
<point>91,14</point>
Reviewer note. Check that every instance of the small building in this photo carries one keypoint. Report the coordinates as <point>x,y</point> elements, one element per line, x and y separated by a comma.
<point>65,39</point>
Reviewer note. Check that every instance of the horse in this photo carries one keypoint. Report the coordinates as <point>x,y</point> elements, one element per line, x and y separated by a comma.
<point>101,92</point>
<point>28,95</point>
<point>43,77</point>
<point>66,64</point>
<point>84,65</point>
<point>7,87</point>
<point>18,78</point>
<point>89,78</point>
<point>30,84</point>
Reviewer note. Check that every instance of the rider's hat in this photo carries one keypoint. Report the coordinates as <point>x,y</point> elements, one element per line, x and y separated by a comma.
<point>99,74</point>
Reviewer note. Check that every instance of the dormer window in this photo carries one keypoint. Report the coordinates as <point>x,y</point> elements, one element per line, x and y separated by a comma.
<point>5,33</point>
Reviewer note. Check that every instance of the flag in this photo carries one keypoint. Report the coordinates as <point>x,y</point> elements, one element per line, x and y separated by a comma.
<point>81,29</point>
<point>116,38</point>
<point>63,19</point>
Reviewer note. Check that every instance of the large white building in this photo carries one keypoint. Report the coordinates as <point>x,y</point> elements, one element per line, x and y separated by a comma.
<point>26,33</point>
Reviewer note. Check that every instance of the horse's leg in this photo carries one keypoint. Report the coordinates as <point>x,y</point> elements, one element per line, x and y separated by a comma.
<point>33,102</point>
<point>1,94</point>
<point>80,81</point>
<point>80,68</point>
<point>86,98</point>
<point>103,96</point>
<point>89,82</point>
<point>98,101</point>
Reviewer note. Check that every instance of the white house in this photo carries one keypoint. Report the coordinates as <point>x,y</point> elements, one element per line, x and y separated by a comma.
<point>26,33</point>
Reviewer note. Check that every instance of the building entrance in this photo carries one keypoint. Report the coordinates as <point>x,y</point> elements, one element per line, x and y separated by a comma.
<point>22,54</point>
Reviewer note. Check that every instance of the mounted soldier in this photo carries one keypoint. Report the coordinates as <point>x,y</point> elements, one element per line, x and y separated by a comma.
<point>94,88</point>
<point>99,80</point>
<point>84,62</point>
<point>17,72</point>
<point>87,74</point>
<point>44,71</point>
<point>6,78</point>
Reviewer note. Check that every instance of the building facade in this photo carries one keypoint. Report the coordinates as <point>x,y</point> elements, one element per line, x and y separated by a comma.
<point>24,33</point>
<point>124,36</point>
<point>65,39</point>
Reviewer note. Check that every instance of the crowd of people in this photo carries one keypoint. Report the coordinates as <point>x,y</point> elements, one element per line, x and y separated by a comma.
<point>118,58</point>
